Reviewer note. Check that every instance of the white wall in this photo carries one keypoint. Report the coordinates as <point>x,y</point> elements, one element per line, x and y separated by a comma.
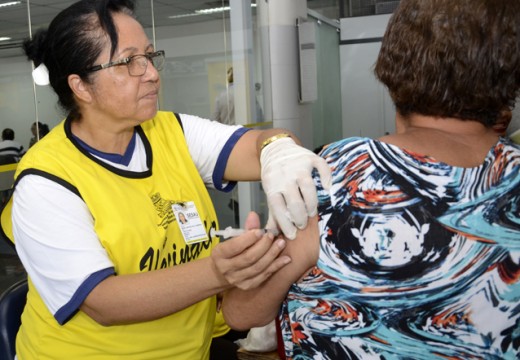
<point>367,107</point>
<point>185,46</point>
<point>17,110</point>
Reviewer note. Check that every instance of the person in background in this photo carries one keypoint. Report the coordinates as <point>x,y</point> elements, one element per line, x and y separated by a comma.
<point>415,252</point>
<point>10,153</point>
<point>10,149</point>
<point>111,273</point>
<point>225,103</point>
<point>38,130</point>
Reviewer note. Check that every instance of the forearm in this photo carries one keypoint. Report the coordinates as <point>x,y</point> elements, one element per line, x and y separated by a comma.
<point>257,307</point>
<point>245,261</point>
<point>254,308</point>
<point>148,296</point>
<point>244,160</point>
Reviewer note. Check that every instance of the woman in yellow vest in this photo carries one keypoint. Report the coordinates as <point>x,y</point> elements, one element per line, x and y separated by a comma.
<point>94,215</point>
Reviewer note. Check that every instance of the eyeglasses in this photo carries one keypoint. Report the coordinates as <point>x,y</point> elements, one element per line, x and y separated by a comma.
<point>136,64</point>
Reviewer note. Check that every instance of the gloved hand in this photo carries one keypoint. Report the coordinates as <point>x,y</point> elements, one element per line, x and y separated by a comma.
<point>286,170</point>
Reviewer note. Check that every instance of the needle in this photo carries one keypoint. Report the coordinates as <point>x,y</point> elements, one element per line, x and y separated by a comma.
<point>230,232</point>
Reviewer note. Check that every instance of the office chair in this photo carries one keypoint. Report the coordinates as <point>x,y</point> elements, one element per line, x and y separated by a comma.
<point>12,302</point>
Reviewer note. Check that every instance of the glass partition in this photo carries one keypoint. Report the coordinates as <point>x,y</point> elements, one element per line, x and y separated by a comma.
<point>201,67</point>
<point>202,39</point>
<point>197,56</point>
<point>17,109</point>
<point>326,110</point>
<point>195,35</point>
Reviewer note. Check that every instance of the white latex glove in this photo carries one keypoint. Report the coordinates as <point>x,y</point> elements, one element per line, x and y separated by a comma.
<point>286,170</point>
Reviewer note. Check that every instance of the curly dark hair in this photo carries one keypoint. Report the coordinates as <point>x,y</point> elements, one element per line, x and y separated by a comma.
<point>452,58</point>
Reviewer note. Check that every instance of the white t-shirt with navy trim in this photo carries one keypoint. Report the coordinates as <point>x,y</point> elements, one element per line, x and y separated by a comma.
<point>46,229</point>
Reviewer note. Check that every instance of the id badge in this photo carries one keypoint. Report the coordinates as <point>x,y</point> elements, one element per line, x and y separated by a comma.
<point>189,221</point>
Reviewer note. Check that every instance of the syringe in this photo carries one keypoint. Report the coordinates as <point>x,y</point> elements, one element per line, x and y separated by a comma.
<point>230,232</point>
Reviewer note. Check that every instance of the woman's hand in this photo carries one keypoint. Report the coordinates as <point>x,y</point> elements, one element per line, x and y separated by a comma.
<point>286,170</point>
<point>257,307</point>
<point>246,261</point>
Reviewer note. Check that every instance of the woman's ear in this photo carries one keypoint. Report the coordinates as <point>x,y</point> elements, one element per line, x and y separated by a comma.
<point>79,88</point>
<point>502,122</point>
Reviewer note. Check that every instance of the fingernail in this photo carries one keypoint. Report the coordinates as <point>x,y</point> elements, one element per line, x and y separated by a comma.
<point>280,243</point>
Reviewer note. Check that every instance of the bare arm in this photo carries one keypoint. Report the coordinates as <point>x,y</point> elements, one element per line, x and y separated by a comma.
<point>244,261</point>
<point>244,309</point>
<point>244,161</point>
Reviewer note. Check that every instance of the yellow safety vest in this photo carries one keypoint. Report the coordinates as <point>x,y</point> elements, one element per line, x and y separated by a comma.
<point>134,221</point>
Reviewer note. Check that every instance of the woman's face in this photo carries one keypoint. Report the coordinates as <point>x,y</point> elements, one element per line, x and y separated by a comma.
<point>119,97</point>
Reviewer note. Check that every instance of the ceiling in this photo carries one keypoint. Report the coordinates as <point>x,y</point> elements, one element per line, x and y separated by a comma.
<point>14,19</point>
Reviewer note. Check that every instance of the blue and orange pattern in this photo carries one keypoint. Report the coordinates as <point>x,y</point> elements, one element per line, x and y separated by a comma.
<point>418,259</point>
